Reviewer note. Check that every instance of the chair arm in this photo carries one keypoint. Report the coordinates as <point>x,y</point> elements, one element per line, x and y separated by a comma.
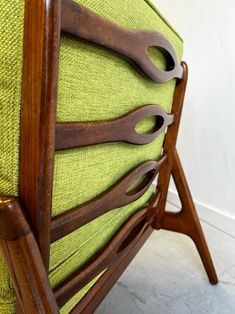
<point>24,260</point>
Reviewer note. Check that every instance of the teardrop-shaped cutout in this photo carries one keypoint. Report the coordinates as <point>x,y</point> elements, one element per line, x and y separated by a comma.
<point>161,58</point>
<point>132,235</point>
<point>139,184</point>
<point>149,125</point>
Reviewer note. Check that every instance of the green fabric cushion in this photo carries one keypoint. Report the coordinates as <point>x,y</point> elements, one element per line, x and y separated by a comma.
<point>94,84</point>
<point>11,30</point>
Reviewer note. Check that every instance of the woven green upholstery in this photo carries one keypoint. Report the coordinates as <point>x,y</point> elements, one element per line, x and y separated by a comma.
<point>94,84</point>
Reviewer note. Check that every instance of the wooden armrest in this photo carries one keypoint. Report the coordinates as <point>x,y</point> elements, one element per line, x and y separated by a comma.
<point>12,222</point>
<point>24,260</point>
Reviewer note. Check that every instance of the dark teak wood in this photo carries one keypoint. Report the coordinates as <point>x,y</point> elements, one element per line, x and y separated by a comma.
<point>186,221</point>
<point>91,300</point>
<point>117,247</point>
<point>170,143</point>
<point>78,134</point>
<point>24,260</point>
<point>86,24</point>
<point>116,197</point>
<point>26,225</point>
<point>38,115</point>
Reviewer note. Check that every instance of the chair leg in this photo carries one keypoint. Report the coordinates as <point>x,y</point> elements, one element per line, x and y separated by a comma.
<point>186,221</point>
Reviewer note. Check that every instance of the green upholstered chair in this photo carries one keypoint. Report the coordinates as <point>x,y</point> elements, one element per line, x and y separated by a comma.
<point>94,85</point>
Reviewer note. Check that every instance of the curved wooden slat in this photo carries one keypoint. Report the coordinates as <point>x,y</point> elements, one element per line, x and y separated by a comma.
<point>77,134</point>
<point>127,236</point>
<point>79,21</point>
<point>97,292</point>
<point>117,196</point>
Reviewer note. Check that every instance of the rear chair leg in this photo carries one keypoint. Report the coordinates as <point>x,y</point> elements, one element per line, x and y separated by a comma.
<point>187,221</point>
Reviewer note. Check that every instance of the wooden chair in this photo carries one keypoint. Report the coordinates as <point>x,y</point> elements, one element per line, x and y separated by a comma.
<point>26,225</point>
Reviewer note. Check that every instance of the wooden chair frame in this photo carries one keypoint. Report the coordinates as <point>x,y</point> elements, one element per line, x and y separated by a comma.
<point>26,226</point>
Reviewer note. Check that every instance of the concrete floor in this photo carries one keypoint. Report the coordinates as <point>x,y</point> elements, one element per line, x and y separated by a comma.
<point>167,277</point>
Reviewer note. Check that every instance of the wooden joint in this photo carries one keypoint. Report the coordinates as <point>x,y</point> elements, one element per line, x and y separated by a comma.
<point>12,221</point>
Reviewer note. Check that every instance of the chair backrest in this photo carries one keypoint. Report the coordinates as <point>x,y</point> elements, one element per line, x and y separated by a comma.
<point>42,135</point>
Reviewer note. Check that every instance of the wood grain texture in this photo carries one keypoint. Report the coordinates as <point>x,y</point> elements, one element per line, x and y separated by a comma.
<point>12,223</point>
<point>127,236</point>
<point>186,221</point>
<point>24,261</point>
<point>170,144</point>
<point>92,299</point>
<point>79,21</point>
<point>39,91</point>
<point>115,197</point>
<point>27,252</point>
<point>78,134</point>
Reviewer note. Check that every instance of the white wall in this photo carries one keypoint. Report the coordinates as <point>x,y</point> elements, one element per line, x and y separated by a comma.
<point>207,135</point>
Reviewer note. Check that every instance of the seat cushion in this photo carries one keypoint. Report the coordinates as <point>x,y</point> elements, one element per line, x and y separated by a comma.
<point>94,84</point>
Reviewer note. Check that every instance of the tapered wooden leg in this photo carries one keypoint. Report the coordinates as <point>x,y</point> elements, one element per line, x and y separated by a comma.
<point>187,221</point>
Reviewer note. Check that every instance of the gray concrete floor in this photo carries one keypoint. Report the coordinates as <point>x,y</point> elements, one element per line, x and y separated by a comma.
<point>167,277</point>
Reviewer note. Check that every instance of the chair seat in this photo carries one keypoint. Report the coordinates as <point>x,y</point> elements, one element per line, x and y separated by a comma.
<point>94,84</point>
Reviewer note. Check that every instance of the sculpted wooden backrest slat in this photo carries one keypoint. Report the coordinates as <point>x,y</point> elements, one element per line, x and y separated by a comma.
<point>115,197</point>
<point>26,244</point>
<point>40,80</point>
<point>78,134</point>
<point>127,236</point>
<point>86,24</point>
<point>41,136</point>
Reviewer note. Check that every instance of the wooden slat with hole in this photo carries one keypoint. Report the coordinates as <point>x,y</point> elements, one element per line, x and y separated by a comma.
<point>127,236</point>
<point>115,197</point>
<point>27,259</point>
<point>78,134</point>
<point>91,300</point>
<point>79,21</point>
